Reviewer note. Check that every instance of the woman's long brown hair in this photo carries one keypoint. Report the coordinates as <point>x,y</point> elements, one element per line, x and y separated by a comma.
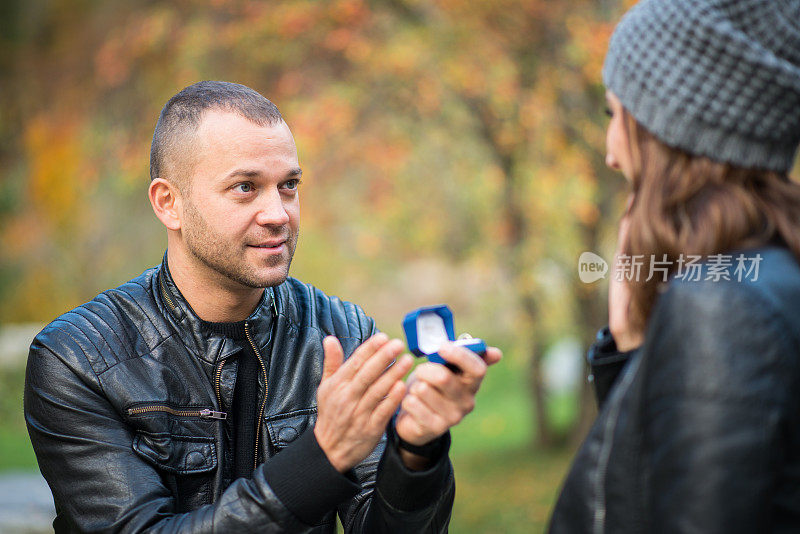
<point>691,205</point>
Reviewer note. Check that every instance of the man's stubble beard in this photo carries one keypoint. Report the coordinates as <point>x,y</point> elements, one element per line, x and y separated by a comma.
<point>227,258</point>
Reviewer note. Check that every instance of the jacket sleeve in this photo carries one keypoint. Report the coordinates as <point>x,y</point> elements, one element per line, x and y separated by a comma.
<point>394,499</point>
<point>719,366</point>
<point>99,484</point>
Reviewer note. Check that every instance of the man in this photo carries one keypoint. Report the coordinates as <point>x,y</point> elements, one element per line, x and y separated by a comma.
<point>212,393</point>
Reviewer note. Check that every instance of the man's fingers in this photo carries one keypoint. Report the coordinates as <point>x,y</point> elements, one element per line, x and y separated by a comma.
<point>381,387</point>
<point>451,410</point>
<point>471,365</point>
<point>493,355</point>
<point>363,353</point>
<point>425,418</point>
<point>439,377</point>
<point>375,366</point>
<point>409,425</point>
<point>334,355</point>
<point>388,406</point>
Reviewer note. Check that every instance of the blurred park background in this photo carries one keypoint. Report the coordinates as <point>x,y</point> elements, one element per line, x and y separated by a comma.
<point>453,152</point>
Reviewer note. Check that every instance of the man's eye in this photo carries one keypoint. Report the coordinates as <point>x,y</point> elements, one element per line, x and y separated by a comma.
<point>245,187</point>
<point>291,184</point>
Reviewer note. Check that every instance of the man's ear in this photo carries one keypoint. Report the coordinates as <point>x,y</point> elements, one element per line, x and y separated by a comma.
<point>166,201</point>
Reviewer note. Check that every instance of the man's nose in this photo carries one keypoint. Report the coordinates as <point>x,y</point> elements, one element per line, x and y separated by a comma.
<point>271,211</point>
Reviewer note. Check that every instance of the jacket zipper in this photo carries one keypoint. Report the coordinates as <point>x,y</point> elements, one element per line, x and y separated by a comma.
<point>217,377</point>
<point>605,453</point>
<point>266,388</point>
<point>205,413</point>
<point>165,293</point>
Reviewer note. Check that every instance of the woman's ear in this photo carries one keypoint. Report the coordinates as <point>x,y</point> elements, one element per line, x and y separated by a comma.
<point>166,201</point>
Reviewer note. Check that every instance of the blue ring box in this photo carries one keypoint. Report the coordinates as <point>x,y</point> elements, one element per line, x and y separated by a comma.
<point>427,328</point>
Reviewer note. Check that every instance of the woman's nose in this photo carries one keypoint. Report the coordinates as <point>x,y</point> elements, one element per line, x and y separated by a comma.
<point>611,161</point>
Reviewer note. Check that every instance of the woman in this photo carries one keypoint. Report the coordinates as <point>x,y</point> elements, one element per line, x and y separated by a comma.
<point>699,375</point>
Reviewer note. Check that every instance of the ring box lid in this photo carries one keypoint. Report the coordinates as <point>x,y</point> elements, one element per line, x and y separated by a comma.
<point>427,328</point>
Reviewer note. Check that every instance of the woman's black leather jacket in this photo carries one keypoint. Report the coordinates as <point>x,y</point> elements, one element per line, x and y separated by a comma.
<point>700,431</point>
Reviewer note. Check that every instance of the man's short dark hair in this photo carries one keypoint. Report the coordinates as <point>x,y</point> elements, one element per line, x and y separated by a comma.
<point>181,116</point>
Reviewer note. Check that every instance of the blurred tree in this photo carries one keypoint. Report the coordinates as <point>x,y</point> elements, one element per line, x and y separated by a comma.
<point>523,79</point>
<point>467,132</point>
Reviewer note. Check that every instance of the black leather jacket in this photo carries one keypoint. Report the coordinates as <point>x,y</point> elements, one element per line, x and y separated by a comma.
<point>123,398</point>
<point>701,430</point>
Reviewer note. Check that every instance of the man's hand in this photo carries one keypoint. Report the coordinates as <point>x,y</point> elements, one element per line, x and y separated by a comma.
<point>438,398</point>
<point>356,399</point>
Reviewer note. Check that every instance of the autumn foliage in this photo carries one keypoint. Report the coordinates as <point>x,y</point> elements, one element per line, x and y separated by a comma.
<point>452,151</point>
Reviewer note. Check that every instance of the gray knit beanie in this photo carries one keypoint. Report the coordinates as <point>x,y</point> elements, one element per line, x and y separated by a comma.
<point>716,78</point>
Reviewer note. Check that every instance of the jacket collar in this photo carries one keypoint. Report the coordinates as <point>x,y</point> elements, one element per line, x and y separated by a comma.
<point>207,344</point>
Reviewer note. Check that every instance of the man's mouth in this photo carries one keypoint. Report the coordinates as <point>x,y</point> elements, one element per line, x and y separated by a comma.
<point>272,244</point>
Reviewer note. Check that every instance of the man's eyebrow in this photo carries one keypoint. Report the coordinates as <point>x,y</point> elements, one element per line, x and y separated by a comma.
<point>246,173</point>
<point>296,172</point>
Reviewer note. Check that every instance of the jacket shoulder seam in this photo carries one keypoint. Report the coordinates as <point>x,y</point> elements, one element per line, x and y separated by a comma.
<point>83,351</point>
<point>105,322</point>
<point>311,293</point>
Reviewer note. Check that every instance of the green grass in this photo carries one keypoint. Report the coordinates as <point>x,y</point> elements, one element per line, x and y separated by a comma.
<point>15,448</point>
<point>503,417</point>
<point>503,484</point>
<point>16,453</point>
<point>506,492</point>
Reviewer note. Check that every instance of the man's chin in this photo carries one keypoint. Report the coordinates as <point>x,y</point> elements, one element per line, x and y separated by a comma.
<point>272,282</point>
<point>274,277</point>
<point>259,272</point>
